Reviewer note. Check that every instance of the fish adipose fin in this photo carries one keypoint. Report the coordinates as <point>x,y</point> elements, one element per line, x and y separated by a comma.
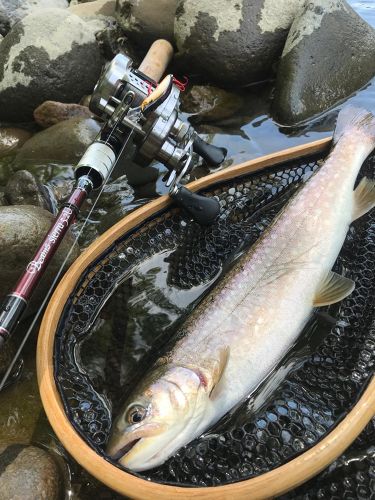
<point>358,122</point>
<point>333,289</point>
<point>364,197</point>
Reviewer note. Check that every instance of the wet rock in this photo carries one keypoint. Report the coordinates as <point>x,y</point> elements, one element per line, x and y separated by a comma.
<point>233,42</point>
<point>22,228</point>
<point>49,55</point>
<point>93,9</point>
<point>23,189</point>
<point>51,112</point>
<point>28,472</point>
<point>145,23</point>
<point>12,11</point>
<point>209,104</point>
<point>329,53</point>
<point>64,142</point>
<point>12,139</point>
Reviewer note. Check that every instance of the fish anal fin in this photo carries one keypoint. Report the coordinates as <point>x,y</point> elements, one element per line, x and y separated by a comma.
<point>333,289</point>
<point>364,197</point>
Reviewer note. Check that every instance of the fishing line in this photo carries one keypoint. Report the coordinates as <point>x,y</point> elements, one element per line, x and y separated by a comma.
<point>59,272</point>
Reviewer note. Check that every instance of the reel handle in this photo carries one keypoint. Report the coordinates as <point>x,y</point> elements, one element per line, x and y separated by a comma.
<point>157,60</point>
<point>212,155</point>
<point>202,209</point>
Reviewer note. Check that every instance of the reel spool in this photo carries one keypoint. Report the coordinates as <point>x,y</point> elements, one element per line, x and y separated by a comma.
<point>309,419</point>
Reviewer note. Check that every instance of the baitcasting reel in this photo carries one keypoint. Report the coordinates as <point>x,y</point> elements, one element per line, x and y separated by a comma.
<point>133,104</point>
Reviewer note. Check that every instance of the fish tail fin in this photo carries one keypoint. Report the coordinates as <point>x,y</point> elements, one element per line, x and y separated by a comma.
<point>357,122</point>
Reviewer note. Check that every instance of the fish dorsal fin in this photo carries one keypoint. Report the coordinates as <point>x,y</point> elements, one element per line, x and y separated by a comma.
<point>364,197</point>
<point>333,289</point>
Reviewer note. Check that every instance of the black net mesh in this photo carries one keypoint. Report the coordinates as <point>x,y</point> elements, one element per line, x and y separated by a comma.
<point>124,310</point>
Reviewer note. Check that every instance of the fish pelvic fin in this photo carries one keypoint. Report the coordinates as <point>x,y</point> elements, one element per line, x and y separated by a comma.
<point>333,289</point>
<point>364,198</point>
<point>358,122</point>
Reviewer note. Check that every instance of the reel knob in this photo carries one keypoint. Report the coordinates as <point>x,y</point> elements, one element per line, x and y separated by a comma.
<point>212,155</point>
<point>202,209</point>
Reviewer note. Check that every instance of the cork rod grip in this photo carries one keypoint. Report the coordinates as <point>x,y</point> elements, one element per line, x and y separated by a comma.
<point>157,59</point>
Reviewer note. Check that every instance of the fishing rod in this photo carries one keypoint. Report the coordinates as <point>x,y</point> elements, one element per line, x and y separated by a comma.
<point>133,105</point>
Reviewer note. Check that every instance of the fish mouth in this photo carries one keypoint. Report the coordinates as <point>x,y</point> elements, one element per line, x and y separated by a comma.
<point>124,450</point>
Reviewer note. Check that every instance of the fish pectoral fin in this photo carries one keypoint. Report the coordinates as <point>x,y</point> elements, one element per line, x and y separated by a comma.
<point>219,365</point>
<point>333,289</point>
<point>364,198</point>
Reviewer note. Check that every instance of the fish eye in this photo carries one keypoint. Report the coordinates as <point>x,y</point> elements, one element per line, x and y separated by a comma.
<point>135,414</point>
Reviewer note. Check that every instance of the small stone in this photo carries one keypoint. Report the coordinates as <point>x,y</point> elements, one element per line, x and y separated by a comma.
<point>12,139</point>
<point>23,189</point>
<point>28,472</point>
<point>51,54</point>
<point>329,53</point>
<point>145,23</point>
<point>64,142</point>
<point>51,112</point>
<point>208,103</point>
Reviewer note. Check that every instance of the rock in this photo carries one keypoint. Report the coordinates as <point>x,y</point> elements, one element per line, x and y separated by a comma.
<point>51,112</point>
<point>329,53</point>
<point>28,472</point>
<point>22,229</point>
<point>12,11</point>
<point>23,189</point>
<point>64,142</point>
<point>235,42</point>
<point>93,9</point>
<point>12,139</point>
<point>209,104</point>
<point>49,55</point>
<point>145,23</point>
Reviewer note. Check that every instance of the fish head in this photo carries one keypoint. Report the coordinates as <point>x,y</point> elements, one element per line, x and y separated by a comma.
<point>160,417</point>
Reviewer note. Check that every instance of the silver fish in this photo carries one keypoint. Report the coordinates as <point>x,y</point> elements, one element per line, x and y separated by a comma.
<point>240,331</point>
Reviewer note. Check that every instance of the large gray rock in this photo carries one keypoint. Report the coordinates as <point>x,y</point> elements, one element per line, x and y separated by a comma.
<point>22,229</point>
<point>145,22</point>
<point>94,9</point>
<point>329,53</point>
<point>64,142</point>
<point>233,42</point>
<point>12,11</point>
<point>28,473</point>
<point>49,55</point>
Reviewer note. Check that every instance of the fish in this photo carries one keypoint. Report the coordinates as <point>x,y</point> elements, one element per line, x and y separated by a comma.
<point>239,332</point>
